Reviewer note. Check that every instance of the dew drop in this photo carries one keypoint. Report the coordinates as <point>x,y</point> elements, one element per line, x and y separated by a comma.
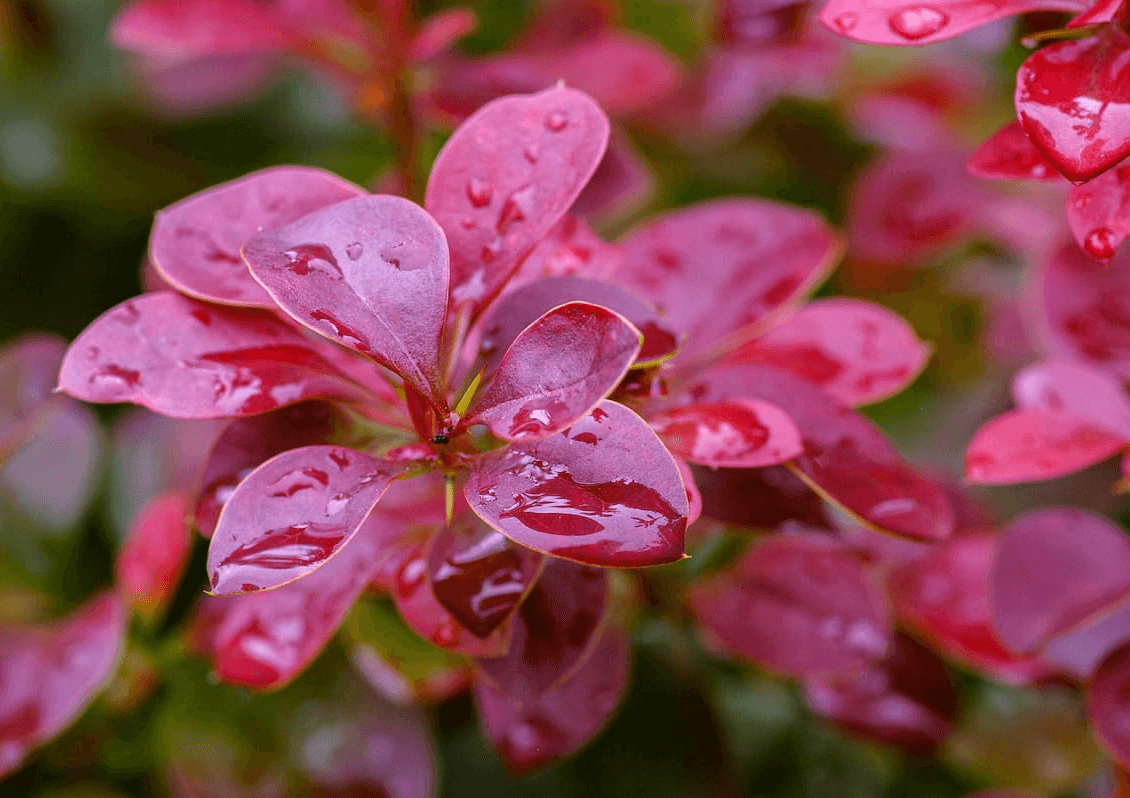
<point>446,634</point>
<point>918,22</point>
<point>306,258</point>
<point>113,374</point>
<point>467,223</point>
<point>846,22</point>
<point>355,250</point>
<point>556,121</point>
<point>517,207</point>
<point>492,250</point>
<point>479,192</point>
<point>1100,243</point>
<point>532,152</point>
<point>410,576</point>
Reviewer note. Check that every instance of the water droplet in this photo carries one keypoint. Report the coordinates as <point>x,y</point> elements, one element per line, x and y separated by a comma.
<point>355,250</point>
<point>306,258</point>
<point>410,576</point>
<point>406,256</point>
<point>556,121</point>
<point>532,152</point>
<point>114,375</point>
<point>446,634</point>
<point>492,250</point>
<point>93,352</point>
<point>479,192</point>
<point>846,22</point>
<point>517,207</point>
<point>340,330</point>
<point>1100,244</point>
<point>918,22</point>
<point>127,314</point>
<point>336,504</point>
<point>467,223</point>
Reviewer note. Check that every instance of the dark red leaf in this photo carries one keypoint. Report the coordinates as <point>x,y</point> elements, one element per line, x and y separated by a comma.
<point>1107,707</point>
<point>190,28</point>
<point>762,498</point>
<point>797,605</point>
<point>529,736</point>
<point>1075,390</point>
<point>1029,445</point>
<point>150,563</point>
<point>740,433</point>
<point>29,366</point>
<point>505,177</point>
<point>292,514</point>
<point>1009,155</point>
<point>604,492</point>
<point>49,674</point>
<point>571,248</point>
<point>370,274</point>
<point>1098,212</point>
<point>183,358</point>
<point>195,244</point>
<point>1073,101</point>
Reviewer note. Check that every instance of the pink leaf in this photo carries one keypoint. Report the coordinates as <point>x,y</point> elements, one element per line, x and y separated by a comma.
<point>196,242</point>
<point>571,248</point>
<point>556,371</point>
<point>150,563</point>
<point>1073,101</point>
<point>798,605</point>
<point>623,181</point>
<point>1029,445</point>
<point>1009,155</point>
<point>1107,706</point>
<point>191,28</point>
<point>505,177</point>
<point>532,735</point>
<point>1055,570</point>
<point>186,359</point>
<point>857,351</point>
<point>1075,390</point>
<point>1098,213</point>
<point>721,269</point>
<point>740,433</point>
<point>292,514</point>
<point>440,31</point>
<point>1077,654</point>
<point>604,492</point>
<point>368,273</point>
<point>50,674</point>
<point>28,368</point>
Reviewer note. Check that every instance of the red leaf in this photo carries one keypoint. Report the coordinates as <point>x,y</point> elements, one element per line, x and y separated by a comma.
<point>720,269</point>
<point>292,514</point>
<point>571,248</point>
<point>740,433</point>
<point>623,181</point>
<point>857,351</point>
<point>1098,213</point>
<point>556,371</point>
<point>186,359</point>
<point>604,492</point>
<point>1073,101</point>
<point>1009,155</point>
<point>1055,570</point>
<point>762,498</point>
<point>896,22</point>
<point>28,368</point>
<point>798,605</point>
<point>50,674</point>
<point>150,563</point>
<point>368,273</point>
<point>190,28</point>
<point>1075,390</point>
<point>1107,707</point>
<point>505,177</point>
<point>1029,445</point>
<point>532,735</point>
<point>195,244</point>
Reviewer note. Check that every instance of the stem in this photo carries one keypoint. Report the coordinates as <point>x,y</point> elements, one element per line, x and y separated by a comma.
<point>405,135</point>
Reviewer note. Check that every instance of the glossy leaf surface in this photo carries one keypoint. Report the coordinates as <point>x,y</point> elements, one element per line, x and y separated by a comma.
<point>1073,101</point>
<point>1076,390</point>
<point>370,274</point>
<point>1028,445</point>
<point>556,371</point>
<point>1009,155</point>
<point>195,244</point>
<point>857,351</point>
<point>603,492</point>
<point>183,358</point>
<point>505,177</point>
<point>740,433</point>
<point>1098,212</point>
<point>150,564</point>
<point>291,515</point>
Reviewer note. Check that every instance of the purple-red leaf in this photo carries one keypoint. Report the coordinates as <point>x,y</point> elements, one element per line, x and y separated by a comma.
<point>604,492</point>
<point>49,674</point>
<point>191,28</point>
<point>1054,571</point>
<point>195,244</point>
<point>183,358</point>
<point>623,181</point>
<point>370,274</point>
<point>293,514</point>
<point>722,268</point>
<point>572,249</point>
<point>505,177</point>
<point>740,433</point>
<point>556,371</point>
<point>1009,155</point>
<point>1075,390</point>
<point>759,498</point>
<point>1098,212</point>
<point>29,366</point>
<point>149,565</point>
<point>797,605</point>
<point>1108,706</point>
<point>1073,101</point>
<point>857,351</point>
<point>1029,445</point>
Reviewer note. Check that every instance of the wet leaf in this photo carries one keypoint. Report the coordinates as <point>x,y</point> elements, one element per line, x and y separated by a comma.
<point>1098,213</point>
<point>1075,390</point>
<point>1009,155</point>
<point>740,433</point>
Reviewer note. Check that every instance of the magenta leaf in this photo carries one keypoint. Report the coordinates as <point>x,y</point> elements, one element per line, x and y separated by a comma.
<point>555,629</point>
<point>190,28</point>
<point>29,366</point>
<point>1075,390</point>
<point>621,182</point>
<point>505,177</point>
<point>292,514</point>
<point>1055,570</point>
<point>1078,653</point>
<point>720,269</point>
<point>572,249</point>
<point>368,273</point>
<point>556,371</point>
<point>759,498</point>
<point>247,442</point>
<point>531,735</point>
<point>195,244</point>
<point>906,699</point>
<point>49,674</point>
<point>740,433</point>
<point>438,32</point>
<point>857,351</point>
<point>900,23</point>
<point>798,605</point>
<point>1098,212</point>
<point>1009,155</point>
<point>478,575</point>
<point>604,492</point>
<point>1073,101</point>
<point>150,563</point>
<point>1029,445</point>
<point>183,358</point>
<point>1107,706</point>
